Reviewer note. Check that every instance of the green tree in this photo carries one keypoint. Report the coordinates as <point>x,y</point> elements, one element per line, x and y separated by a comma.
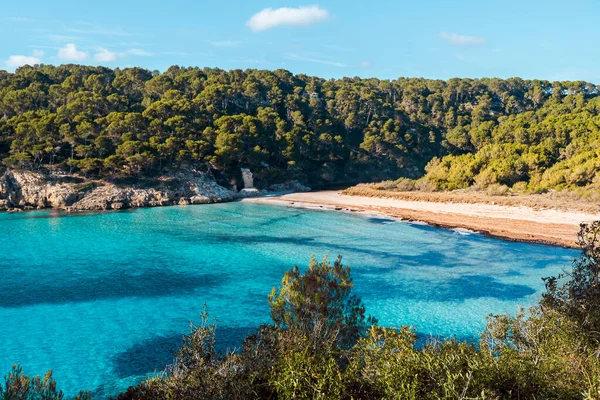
<point>579,296</point>
<point>320,303</point>
<point>18,386</point>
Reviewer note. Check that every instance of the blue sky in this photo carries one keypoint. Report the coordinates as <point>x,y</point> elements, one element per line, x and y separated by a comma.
<point>555,40</point>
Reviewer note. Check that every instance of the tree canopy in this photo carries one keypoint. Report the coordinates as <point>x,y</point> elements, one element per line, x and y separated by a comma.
<point>461,132</point>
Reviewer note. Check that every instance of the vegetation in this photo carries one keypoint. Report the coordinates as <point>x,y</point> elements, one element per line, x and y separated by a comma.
<point>322,345</point>
<point>18,386</point>
<point>529,135</point>
<point>587,200</point>
<point>548,352</point>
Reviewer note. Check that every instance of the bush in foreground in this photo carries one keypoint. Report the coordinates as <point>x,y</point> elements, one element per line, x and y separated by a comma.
<point>322,345</point>
<point>18,386</point>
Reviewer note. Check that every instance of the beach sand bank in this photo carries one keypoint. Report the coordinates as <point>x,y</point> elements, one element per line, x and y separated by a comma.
<point>515,223</point>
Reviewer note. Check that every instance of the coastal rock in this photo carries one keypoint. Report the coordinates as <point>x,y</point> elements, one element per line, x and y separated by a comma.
<point>252,192</point>
<point>26,190</point>
<point>22,190</point>
<point>117,206</point>
<point>248,178</point>
<point>200,199</point>
<point>289,186</point>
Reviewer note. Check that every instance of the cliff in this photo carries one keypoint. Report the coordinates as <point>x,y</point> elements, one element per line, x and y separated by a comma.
<point>26,190</point>
<point>30,190</point>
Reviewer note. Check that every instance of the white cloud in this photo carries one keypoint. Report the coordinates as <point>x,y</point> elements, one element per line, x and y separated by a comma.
<point>139,52</point>
<point>19,61</point>
<point>38,53</point>
<point>296,57</point>
<point>461,40</point>
<point>365,64</point>
<point>226,43</point>
<point>270,18</point>
<point>104,55</point>
<point>70,53</point>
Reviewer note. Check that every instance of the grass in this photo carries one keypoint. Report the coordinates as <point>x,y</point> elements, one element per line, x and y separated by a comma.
<point>587,201</point>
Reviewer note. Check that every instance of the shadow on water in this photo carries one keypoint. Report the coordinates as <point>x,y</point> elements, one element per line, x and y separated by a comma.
<point>58,214</point>
<point>115,286</point>
<point>277,220</point>
<point>380,220</point>
<point>157,352</point>
<point>151,355</point>
<point>427,258</point>
<point>154,354</point>
<point>452,290</point>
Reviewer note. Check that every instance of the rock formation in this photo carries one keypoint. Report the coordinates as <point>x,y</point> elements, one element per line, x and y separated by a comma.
<point>29,190</point>
<point>247,178</point>
<point>249,190</point>
<point>26,190</point>
<point>289,187</point>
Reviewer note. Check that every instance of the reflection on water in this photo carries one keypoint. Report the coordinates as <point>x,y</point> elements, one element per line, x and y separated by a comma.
<point>103,298</point>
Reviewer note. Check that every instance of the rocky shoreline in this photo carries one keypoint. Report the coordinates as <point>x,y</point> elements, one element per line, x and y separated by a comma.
<point>26,190</point>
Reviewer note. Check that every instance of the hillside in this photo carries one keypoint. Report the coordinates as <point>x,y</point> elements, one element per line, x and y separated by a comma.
<point>529,135</point>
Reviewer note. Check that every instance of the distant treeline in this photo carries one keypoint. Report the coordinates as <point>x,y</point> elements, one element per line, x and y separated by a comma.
<point>461,132</point>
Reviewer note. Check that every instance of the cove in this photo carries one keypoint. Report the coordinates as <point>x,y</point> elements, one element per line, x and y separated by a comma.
<point>103,299</point>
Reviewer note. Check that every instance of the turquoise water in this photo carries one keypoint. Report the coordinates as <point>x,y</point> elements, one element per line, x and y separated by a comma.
<point>103,299</point>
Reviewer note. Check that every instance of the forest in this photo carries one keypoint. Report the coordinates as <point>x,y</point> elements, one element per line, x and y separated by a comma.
<point>529,135</point>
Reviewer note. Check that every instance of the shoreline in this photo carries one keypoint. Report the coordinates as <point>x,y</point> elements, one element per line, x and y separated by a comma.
<point>511,223</point>
<point>552,227</point>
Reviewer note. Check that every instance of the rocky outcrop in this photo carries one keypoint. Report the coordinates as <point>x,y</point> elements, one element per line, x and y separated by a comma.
<point>290,186</point>
<point>252,192</point>
<point>247,178</point>
<point>28,190</point>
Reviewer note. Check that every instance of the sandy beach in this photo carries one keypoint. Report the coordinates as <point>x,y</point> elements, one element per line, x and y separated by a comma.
<point>517,223</point>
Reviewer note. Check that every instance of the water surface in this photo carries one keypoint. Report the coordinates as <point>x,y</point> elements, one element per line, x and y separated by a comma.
<point>103,299</point>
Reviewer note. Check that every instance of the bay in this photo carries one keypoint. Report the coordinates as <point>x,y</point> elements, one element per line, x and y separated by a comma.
<point>104,298</point>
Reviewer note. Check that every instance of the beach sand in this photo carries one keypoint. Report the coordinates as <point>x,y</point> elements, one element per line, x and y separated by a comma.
<point>516,223</point>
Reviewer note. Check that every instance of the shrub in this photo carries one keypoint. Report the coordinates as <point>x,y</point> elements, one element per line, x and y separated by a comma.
<point>18,386</point>
<point>579,297</point>
<point>497,190</point>
<point>321,346</point>
<point>319,303</point>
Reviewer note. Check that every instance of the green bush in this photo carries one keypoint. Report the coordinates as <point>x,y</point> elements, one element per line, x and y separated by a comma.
<point>18,386</point>
<point>322,346</point>
<point>318,304</point>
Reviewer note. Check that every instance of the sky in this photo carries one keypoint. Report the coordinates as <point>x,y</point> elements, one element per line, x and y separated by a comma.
<point>552,39</point>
